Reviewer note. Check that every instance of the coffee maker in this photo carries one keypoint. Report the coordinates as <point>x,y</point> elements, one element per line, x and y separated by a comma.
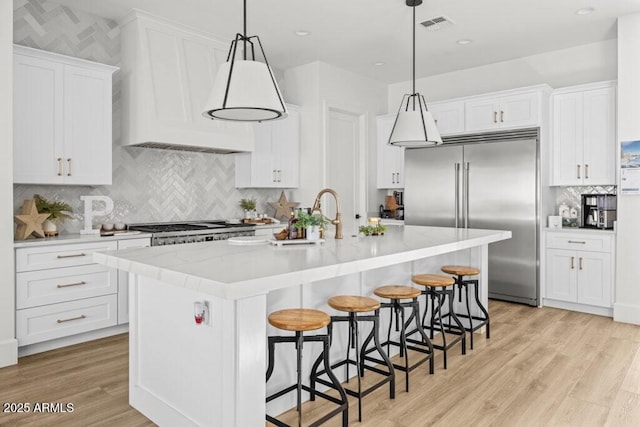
<point>599,210</point>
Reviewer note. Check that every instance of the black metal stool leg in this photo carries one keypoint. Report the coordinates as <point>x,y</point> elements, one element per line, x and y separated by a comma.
<point>299,343</point>
<point>272,347</point>
<point>458,323</point>
<point>466,296</point>
<point>482,308</point>
<point>385,357</point>
<point>420,329</point>
<point>336,383</point>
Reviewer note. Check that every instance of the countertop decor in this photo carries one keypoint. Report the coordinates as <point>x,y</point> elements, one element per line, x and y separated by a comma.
<point>29,221</point>
<point>283,207</point>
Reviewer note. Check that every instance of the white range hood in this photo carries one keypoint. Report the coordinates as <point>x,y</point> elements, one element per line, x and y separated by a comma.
<point>167,73</point>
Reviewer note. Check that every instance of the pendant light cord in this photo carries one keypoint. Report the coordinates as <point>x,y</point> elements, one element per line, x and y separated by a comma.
<point>244,14</point>
<point>414,50</point>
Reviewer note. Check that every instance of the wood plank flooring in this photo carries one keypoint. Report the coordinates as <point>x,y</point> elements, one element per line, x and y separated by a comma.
<point>541,367</point>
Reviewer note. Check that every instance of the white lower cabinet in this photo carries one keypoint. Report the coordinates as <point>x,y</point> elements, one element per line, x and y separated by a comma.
<point>52,321</point>
<point>579,271</point>
<point>61,292</point>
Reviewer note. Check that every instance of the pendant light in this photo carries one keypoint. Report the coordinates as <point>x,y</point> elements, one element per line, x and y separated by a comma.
<point>414,125</point>
<point>245,90</point>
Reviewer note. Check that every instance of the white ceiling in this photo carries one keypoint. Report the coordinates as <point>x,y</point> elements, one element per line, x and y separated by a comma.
<point>355,34</point>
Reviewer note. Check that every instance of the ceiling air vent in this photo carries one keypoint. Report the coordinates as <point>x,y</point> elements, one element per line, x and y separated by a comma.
<point>438,23</point>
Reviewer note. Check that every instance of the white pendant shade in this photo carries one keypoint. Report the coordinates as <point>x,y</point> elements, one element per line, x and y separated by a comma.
<point>414,125</point>
<point>252,94</point>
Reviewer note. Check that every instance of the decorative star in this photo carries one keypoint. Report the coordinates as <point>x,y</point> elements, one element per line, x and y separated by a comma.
<point>283,207</point>
<point>29,221</point>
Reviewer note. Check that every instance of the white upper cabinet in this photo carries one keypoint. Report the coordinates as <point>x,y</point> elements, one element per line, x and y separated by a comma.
<point>449,116</point>
<point>390,158</point>
<point>168,71</point>
<point>62,119</point>
<point>584,135</point>
<point>274,163</point>
<point>501,112</point>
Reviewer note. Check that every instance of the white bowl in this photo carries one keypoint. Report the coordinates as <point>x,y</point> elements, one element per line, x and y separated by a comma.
<point>107,227</point>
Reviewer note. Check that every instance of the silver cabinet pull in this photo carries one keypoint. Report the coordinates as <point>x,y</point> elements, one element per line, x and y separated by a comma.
<point>580,263</point>
<point>59,160</point>
<point>495,117</point>
<point>398,177</point>
<point>279,175</point>
<point>501,116</point>
<point>581,242</point>
<point>72,255</point>
<point>586,171</point>
<point>573,263</point>
<point>578,171</point>
<point>80,283</point>
<point>69,167</point>
<point>82,316</point>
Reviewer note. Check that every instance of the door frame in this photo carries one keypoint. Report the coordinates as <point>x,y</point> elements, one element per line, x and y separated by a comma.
<point>329,105</point>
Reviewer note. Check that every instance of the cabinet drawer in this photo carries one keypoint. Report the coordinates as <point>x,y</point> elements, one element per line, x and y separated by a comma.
<point>41,257</point>
<point>34,288</point>
<point>68,318</point>
<point>579,241</point>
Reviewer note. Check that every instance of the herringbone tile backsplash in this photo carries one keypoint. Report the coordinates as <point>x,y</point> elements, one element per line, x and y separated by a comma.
<point>148,185</point>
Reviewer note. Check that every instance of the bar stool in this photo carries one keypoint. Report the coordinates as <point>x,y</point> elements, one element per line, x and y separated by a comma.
<point>300,320</point>
<point>437,288</point>
<point>460,271</point>
<point>353,304</point>
<point>396,293</point>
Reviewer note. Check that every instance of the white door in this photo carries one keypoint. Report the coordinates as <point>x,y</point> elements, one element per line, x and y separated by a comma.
<point>344,172</point>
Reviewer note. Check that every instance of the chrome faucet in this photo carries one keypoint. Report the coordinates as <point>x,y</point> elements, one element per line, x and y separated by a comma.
<point>338,220</point>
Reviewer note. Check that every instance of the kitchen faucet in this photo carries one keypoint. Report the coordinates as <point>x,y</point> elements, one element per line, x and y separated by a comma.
<point>338,220</point>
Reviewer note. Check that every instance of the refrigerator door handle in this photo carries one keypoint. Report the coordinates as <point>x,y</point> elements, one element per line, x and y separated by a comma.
<point>465,183</point>
<point>456,168</point>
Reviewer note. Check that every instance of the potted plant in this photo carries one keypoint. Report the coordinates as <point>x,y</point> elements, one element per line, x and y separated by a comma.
<point>312,223</point>
<point>373,230</point>
<point>249,206</point>
<point>58,212</point>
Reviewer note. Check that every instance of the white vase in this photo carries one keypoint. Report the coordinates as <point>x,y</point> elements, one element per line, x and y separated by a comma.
<point>50,228</point>
<point>313,232</point>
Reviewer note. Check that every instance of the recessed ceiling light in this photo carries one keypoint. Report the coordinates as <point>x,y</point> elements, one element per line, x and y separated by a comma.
<point>585,11</point>
<point>302,33</point>
<point>464,41</point>
<point>378,64</point>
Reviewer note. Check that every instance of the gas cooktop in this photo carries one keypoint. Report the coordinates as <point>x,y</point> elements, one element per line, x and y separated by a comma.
<point>165,227</point>
<point>171,233</point>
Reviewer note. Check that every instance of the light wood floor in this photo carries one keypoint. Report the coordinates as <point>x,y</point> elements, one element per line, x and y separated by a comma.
<point>542,367</point>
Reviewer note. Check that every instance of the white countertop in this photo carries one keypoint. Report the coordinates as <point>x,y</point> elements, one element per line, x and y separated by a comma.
<point>65,239</point>
<point>236,271</point>
<point>580,230</point>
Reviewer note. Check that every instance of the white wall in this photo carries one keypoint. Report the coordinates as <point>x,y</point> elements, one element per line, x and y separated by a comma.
<point>583,64</point>
<point>627,293</point>
<point>8,344</point>
<point>314,85</point>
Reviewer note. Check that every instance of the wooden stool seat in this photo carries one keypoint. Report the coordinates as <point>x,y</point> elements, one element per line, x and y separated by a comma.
<point>397,292</point>
<point>433,280</point>
<point>460,270</point>
<point>299,319</point>
<point>353,303</point>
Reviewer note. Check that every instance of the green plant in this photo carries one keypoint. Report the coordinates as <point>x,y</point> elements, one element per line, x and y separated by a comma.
<point>248,204</point>
<point>310,220</point>
<point>372,229</point>
<point>59,211</point>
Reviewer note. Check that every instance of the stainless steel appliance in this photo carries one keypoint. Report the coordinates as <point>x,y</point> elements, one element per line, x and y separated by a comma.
<point>171,233</point>
<point>599,210</point>
<point>488,181</point>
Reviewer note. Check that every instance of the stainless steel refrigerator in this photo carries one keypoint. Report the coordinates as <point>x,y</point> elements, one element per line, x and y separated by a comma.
<point>486,181</point>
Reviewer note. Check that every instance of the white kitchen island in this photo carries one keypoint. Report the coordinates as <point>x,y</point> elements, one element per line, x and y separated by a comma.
<point>184,374</point>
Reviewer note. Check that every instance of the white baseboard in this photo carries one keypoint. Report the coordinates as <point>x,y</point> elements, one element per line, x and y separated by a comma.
<point>583,308</point>
<point>8,352</point>
<point>626,313</point>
